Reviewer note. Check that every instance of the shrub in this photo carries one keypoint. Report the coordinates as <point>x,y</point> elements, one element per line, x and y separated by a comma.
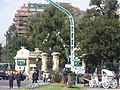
<point>71,79</point>
<point>56,76</point>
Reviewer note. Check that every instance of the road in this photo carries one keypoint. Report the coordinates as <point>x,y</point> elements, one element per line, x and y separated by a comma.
<point>5,86</point>
<point>101,89</point>
<point>88,88</point>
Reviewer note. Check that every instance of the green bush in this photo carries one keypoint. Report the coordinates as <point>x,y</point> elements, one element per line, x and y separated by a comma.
<point>71,79</point>
<point>56,76</point>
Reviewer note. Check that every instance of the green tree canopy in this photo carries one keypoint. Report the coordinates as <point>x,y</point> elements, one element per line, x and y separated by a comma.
<point>100,35</point>
<point>44,26</point>
<point>105,7</point>
<point>41,32</point>
<point>13,43</point>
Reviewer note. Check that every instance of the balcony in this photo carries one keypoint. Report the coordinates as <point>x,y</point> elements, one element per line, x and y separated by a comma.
<point>22,15</point>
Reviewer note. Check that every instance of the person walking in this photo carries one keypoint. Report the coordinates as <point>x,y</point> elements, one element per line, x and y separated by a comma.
<point>44,76</point>
<point>19,79</point>
<point>47,76</point>
<point>11,78</point>
<point>117,78</point>
<point>35,77</point>
<point>36,69</point>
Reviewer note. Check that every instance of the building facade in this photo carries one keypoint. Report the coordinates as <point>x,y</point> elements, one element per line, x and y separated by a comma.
<point>23,13</point>
<point>34,7</point>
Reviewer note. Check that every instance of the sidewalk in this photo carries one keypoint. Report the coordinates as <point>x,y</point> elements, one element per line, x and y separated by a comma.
<point>7,88</point>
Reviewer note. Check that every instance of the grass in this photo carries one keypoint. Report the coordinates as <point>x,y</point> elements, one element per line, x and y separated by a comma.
<point>54,86</point>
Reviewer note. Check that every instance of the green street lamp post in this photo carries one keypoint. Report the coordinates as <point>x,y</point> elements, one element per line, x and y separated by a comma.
<point>72,56</point>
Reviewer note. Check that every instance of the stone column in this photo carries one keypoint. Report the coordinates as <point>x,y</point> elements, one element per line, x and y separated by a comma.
<point>28,65</point>
<point>83,63</point>
<point>16,66</point>
<point>55,61</point>
<point>44,61</point>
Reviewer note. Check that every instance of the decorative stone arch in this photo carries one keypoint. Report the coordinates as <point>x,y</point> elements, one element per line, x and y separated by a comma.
<point>24,58</point>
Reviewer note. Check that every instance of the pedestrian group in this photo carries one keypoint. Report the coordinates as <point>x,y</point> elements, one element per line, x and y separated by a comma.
<point>12,77</point>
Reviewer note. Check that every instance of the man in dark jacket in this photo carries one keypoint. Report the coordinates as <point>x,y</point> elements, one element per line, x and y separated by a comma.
<point>35,77</point>
<point>11,78</point>
<point>19,79</point>
<point>117,78</point>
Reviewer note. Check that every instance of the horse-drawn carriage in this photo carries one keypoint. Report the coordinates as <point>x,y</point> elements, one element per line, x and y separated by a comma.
<point>107,80</point>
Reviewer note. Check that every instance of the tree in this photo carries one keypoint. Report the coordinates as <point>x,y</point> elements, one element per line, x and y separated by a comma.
<point>42,29</point>
<point>13,43</point>
<point>106,7</point>
<point>100,35</point>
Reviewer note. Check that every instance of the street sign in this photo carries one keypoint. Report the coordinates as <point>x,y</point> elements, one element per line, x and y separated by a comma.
<point>21,62</point>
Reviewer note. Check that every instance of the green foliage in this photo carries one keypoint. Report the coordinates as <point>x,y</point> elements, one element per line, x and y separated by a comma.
<point>97,33</point>
<point>38,27</point>
<point>42,29</point>
<point>105,7</point>
<point>71,79</point>
<point>100,36</point>
<point>56,76</point>
<point>13,43</point>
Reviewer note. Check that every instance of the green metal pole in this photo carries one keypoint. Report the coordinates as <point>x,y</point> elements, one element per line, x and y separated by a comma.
<point>72,56</point>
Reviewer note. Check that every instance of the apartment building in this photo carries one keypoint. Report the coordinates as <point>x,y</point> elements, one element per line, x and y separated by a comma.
<point>24,12</point>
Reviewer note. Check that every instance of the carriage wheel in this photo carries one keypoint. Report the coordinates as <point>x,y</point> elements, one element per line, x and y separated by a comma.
<point>106,84</point>
<point>113,83</point>
<point>91,83</point>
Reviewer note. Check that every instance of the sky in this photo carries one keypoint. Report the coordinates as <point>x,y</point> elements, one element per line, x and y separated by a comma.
<point>8,9</point>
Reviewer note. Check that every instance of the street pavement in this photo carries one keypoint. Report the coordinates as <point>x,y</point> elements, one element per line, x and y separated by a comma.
<point>4,84</point>
<point>95,88</point>
<point>101,89</point>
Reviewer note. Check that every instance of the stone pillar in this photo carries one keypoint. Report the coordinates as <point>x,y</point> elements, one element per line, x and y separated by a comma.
<point>16,66</point>
<point>83,63</point>
<point>28,65</point>
<point>44,62</point>
<point>55,61</point>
